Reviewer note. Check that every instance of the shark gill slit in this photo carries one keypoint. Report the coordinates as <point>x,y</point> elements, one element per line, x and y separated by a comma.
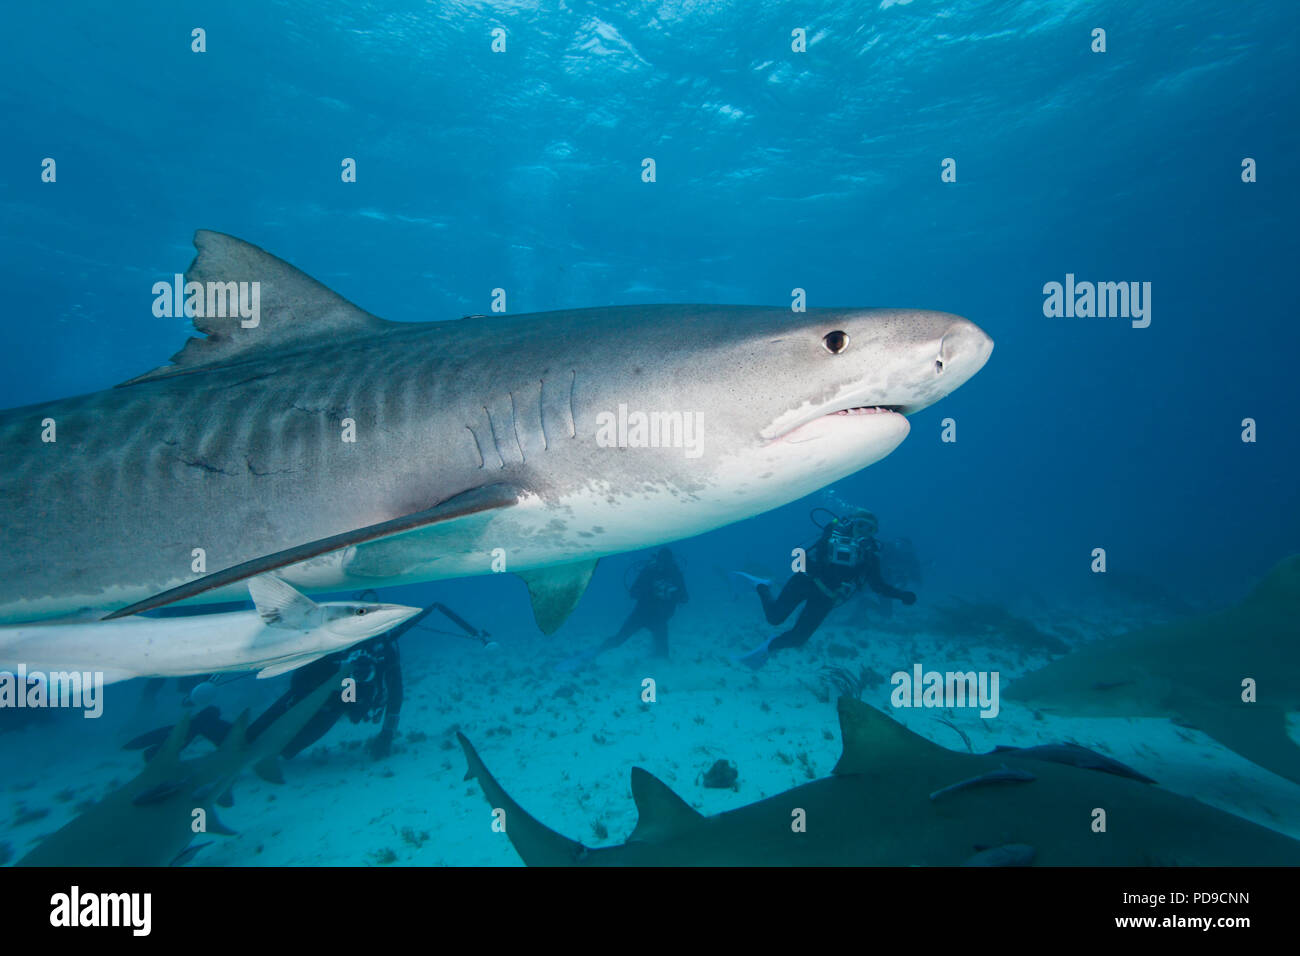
<point>477,447</point>
<point>541,412</point>
<point>514,422</point>
<point>573,420</point>
<point>495,444</point>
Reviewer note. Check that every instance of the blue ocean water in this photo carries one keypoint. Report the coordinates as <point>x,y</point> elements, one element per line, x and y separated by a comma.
<point>776,170</point>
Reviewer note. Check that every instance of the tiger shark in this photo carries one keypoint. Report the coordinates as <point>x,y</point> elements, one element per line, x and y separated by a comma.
<point>898,799</point>
<point>1233,674</point>
<point>301,435</point>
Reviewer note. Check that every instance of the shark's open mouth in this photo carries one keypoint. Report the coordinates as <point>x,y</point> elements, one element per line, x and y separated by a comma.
<point>869,410</point>
<point>809,426</point>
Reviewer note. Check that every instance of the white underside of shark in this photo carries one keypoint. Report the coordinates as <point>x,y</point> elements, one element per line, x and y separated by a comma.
<point>285,631</point>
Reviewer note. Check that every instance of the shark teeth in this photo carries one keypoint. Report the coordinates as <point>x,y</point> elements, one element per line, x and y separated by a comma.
<point>872,410</point>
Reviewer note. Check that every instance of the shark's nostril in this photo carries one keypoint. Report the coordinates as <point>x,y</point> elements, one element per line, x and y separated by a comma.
<point>938,366</point>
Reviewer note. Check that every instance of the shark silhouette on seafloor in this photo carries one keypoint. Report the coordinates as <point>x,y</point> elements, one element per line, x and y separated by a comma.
<point>897,799</point>
<point>150,820</point>
<point>1233,674</point>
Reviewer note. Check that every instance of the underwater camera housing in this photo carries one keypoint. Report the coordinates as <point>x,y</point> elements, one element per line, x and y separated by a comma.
<point>850,542</point>
<point>844,548</point>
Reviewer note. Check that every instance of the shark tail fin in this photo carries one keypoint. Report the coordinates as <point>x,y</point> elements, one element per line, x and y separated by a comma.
<point>661,813</point>
<point>536,844</point>
<point>871,737</point>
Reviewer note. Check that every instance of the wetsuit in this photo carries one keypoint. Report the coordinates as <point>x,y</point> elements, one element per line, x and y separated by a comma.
<point>821,589</point>
<point>658,589</point>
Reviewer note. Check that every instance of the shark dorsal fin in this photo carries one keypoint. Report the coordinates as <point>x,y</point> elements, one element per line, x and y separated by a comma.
<point>170,749</point>
<point>556,590</point>
<point>660,812</point>
<point>281,605</point>
<point>292,308</point>
<point>236,738</point>
<point>1281,586</point>
<point>872,739</point>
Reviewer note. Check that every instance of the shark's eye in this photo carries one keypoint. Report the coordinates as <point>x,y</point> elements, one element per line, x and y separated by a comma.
<point>835,342</point>
<point>360,611</point>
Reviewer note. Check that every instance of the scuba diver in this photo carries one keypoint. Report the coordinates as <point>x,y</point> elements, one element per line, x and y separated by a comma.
<point>375,666</point>
<point>844,557</point>
<point>658,588</point>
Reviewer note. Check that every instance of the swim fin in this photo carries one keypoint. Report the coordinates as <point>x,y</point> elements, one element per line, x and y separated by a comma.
<point>756,658</point>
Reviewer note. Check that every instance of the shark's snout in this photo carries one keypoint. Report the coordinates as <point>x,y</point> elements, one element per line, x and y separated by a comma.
<point>964,349</point>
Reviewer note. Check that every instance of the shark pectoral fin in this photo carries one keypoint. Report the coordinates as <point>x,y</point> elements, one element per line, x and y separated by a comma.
<point>280,604</point>
<point>870,737</point>
<point>555,591</point>
<point>283,667</point>
<point>472,502</point>
<point>536,843</point>
<point>188,854</point>
<point>214,825</point>
<point>269,769</point>
<point>1012,854</point>
<point>286,308</point>
<point>1254,731</point>
<point>660,812</point>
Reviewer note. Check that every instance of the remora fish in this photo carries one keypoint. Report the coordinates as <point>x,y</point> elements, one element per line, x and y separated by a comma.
<point>1195,672</point>
<point>286,631</point>
<point>876,810</point>
<point>487,438</point>
<point>150,820</point>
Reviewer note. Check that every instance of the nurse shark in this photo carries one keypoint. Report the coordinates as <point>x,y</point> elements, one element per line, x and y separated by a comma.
<point>897,799</point>
<point>1233,674</point>
<point>340,450</point>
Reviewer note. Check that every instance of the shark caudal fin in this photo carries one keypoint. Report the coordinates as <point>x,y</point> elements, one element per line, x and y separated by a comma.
<point>661,813</point>
<point>870,737</point>
<point>536,844</point>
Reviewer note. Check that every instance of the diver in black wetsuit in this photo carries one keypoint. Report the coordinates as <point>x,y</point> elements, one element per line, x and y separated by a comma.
<point>844,558</point>
<point>658,589</point>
